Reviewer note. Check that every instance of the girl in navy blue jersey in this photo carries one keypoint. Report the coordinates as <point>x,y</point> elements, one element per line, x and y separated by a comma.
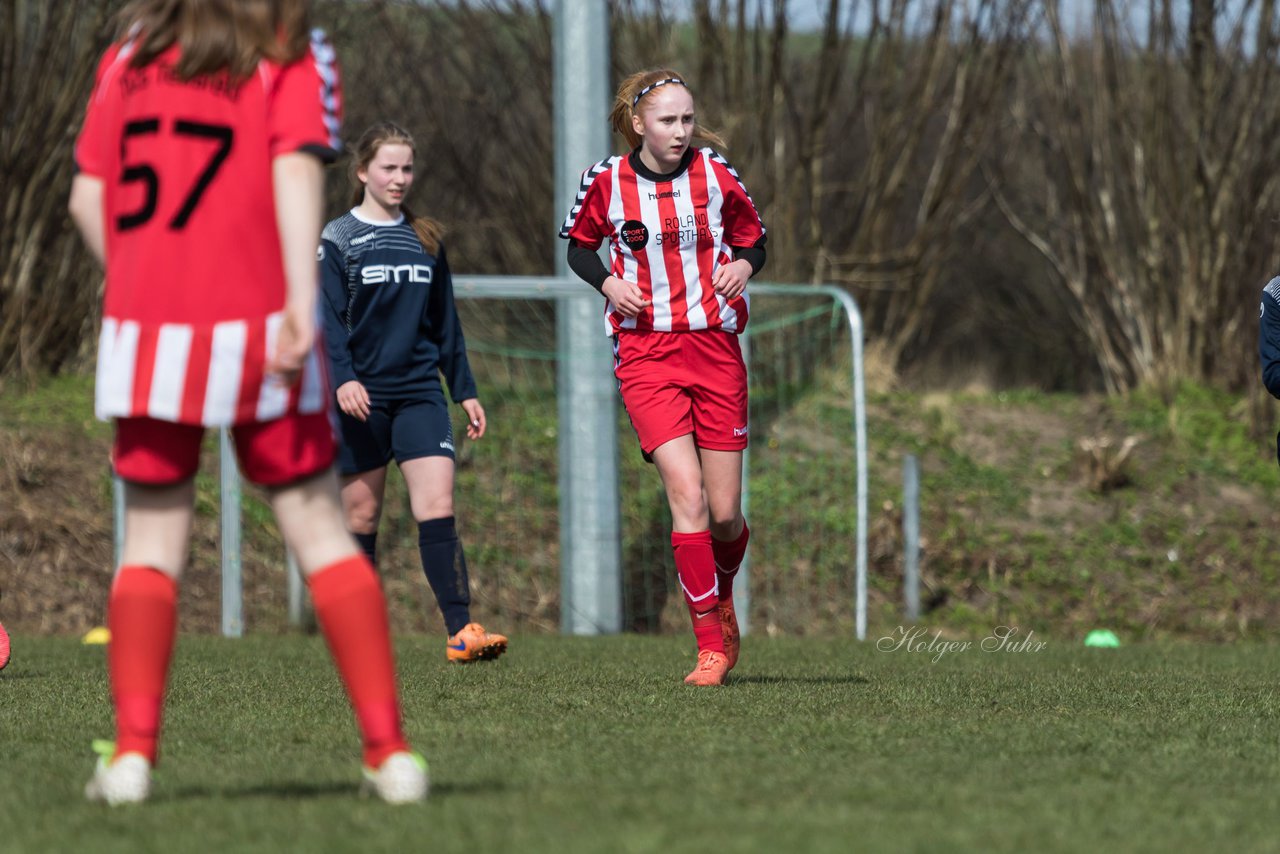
<point>391,330</point>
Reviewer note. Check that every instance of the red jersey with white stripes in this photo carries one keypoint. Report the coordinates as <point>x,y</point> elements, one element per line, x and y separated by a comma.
<point>195,281</point>
<point>669,236</point>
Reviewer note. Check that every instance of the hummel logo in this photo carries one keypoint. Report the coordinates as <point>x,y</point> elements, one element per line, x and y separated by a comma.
<point>739,431</point>
<point>448,445</point>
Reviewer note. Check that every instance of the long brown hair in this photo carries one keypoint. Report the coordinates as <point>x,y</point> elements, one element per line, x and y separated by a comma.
<point>623,108</point>
<point>377,135</point>
<point>214,35</point>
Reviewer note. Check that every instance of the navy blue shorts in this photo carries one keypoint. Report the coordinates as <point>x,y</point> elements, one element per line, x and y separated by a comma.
<point>404,429</point>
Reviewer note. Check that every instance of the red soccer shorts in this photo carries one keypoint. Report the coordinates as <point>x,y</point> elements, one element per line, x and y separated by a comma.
<point>676,383</point>
<point>271,453</point>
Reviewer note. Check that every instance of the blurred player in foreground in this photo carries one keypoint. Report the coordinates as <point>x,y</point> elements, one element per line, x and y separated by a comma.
<point>199,188</point>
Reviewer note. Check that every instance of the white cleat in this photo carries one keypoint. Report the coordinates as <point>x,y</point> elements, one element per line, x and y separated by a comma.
<point>127,780</point>
<point>402,779</point>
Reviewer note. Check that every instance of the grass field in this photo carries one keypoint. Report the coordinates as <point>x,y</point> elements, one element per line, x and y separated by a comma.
<point>594,745</point>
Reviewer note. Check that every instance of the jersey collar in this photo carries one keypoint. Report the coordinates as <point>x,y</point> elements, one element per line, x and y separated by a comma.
<point>637,165</point>
<point>355,212</point>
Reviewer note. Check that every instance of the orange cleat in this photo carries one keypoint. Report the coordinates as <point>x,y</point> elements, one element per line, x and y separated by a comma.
<point>711,669</point>
<point>729,631</point>
<point>473,643</point>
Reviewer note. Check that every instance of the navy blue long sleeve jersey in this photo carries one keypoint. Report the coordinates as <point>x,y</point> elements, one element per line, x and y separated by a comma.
<point>1269,336</point>
<point>389,317</point>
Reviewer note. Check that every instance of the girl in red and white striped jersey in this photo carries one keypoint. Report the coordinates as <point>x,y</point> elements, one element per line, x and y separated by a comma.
<point>684,237</point>
<point>200,189</point>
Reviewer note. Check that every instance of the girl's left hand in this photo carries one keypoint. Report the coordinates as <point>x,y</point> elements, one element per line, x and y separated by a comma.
<point>731,280</point>
<point>475,418</point>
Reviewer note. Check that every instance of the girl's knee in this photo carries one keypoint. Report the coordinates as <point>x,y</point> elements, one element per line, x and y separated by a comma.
<point>363,517</point>
<point>433,511</point>
<point>431,505</point>
<point>725,526</point>
<point>688,504</point>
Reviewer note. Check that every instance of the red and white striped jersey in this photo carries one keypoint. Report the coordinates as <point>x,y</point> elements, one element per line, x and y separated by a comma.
<point>195,281</point>
<point>669,237</point>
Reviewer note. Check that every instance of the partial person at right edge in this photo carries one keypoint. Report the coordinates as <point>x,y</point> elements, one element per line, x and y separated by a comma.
<point>391,327</point>
<point>1269,342</point>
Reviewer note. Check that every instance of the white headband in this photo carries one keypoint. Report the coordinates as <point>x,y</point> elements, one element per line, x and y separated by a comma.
<point>646,90</point>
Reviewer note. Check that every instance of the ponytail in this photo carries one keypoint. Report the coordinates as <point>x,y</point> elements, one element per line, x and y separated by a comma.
<point>429,231</point>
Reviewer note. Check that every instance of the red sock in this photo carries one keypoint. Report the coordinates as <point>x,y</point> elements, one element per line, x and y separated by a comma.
<point>142,614</point>
<point>353,616</point>
<point>728,559</point>
<point>696,569</point>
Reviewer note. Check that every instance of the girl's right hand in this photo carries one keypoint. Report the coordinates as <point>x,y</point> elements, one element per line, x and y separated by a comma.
<point>354,400</point>
<point>293,344</point>
<point>625,296</point>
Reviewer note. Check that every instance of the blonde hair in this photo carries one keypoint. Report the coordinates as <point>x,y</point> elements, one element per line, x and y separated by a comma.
<point>377,135</point>
<point>217,35</point>
<point>625,106</point>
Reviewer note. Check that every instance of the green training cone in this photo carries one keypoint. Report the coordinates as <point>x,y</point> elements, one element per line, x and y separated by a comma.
<point>1102,638</point>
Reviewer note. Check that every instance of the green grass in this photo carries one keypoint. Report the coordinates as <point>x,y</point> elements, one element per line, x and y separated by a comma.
<point>65,400</point>
<point>594,745</point>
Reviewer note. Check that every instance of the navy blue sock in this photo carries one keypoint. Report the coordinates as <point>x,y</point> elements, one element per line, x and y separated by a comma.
<point>369,545</point>
<point>446,569</point>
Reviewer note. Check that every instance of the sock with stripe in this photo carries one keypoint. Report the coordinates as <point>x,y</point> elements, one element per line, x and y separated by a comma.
<point>728,558</point>
<point>353,616</point>
<point>696,569</point>
<point>142,615</point>
<point>445,567</point>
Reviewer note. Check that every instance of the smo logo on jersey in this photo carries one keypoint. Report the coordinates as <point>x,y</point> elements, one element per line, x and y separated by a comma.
<point>381,274</point>
<point>634,234</point>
